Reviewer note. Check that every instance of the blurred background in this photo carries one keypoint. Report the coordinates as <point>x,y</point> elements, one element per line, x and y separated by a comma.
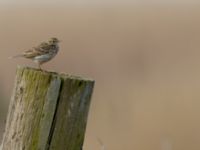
<point>144,56</point>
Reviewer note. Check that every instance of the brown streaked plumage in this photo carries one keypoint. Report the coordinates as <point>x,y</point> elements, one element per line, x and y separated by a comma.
<point>42,53</point>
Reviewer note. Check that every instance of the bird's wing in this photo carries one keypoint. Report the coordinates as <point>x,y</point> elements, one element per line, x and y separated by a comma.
<point>31,53</point>
<point>42,49</point>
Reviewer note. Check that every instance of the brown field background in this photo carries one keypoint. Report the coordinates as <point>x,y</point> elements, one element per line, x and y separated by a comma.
<point>144,58</point>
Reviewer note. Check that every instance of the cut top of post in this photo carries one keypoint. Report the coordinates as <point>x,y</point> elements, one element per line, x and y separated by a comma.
<point>61,75</point>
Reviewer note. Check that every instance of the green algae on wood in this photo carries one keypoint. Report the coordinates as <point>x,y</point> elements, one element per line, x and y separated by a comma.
<point>48,111</point>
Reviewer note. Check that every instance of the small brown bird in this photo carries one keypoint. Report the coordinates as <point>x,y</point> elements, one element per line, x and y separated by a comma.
<point>42,53</point>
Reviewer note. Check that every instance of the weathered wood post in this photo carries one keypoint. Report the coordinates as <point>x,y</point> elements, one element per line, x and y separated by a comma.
<point>48,111</point>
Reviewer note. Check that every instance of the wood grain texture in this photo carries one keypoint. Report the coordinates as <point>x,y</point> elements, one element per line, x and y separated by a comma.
<point>48,111</point>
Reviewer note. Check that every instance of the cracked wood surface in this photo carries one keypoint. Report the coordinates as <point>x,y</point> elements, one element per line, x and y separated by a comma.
<point>48,111</point>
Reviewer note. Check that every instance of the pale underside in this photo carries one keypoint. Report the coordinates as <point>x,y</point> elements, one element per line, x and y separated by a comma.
<point>43,58</point>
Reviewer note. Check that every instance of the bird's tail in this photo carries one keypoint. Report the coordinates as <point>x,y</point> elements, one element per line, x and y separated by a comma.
<point>16,56</point>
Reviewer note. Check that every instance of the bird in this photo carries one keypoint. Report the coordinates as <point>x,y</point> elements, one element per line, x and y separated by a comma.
<point>42,53</point>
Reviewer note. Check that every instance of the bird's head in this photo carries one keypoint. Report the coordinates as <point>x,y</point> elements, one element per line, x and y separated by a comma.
<point>53,40</point>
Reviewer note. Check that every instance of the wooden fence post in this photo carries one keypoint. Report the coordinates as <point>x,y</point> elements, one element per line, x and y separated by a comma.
<point>48,111</point>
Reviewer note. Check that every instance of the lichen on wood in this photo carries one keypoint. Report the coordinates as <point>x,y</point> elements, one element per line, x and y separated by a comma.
<point>48,111</point>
